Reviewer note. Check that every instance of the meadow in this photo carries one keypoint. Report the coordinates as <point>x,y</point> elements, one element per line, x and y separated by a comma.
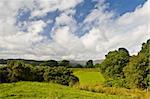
<point>90,86</point>
<point>41,90</point>
<point>90,79</point>
<point>89,76</point>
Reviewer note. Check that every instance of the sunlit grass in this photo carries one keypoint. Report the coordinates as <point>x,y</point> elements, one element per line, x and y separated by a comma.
<point>39,90</point>
<point>89,76</point>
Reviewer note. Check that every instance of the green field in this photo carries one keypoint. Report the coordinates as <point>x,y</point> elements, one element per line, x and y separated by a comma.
<point>89,87</point>
<point>89,76</point>
<point>39,90</point>
<point>92,80</point>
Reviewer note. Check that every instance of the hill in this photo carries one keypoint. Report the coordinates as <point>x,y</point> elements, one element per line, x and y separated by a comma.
<point>37,90</point>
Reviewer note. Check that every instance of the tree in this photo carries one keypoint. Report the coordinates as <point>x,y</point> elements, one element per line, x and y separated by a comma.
<point>4,74</point>
<point>50,63</point>
<point>38,73</point>
<point>19,71</point>
<point>78,66</point>
<point>115,61</point>
<point>16,71</point>
<point>137,72</point>
<point>60,75</point>
<point>65,63</point>
<point>89,64</point>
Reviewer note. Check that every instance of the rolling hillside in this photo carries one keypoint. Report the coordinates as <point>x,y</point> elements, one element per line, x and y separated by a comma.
<point>38,90</point>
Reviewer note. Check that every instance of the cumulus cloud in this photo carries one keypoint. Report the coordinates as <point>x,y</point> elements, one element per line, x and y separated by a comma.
<point>44,6</point>
<point>104,33</point>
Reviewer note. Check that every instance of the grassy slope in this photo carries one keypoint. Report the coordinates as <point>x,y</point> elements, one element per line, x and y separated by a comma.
<point>38,90</point>
<point>89,76</point>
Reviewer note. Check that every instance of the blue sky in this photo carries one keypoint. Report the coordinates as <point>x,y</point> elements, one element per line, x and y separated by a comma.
<point>123,6</point>
<point>74,29</point>
<point>120,7</point>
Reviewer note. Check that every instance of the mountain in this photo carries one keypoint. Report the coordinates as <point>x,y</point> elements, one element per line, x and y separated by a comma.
<point>83,62</point>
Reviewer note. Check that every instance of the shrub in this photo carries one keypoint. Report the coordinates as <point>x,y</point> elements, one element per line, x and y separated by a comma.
<point>18,71</point>
<point>4,74</point>
<point>60,75</point>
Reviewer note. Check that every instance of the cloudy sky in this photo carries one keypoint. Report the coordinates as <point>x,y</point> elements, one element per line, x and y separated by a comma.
<point>71,29</point>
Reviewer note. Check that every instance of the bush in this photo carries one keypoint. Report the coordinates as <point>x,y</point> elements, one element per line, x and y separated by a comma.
<point>18,71</point>
<point>118,82</point>
<point>4,74</point>
<point>60,75</point>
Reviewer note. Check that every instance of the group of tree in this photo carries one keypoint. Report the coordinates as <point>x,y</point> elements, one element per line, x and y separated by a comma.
<point>18,71</point>
<point>122,70</point>
<point>67,63</point>
<point>52,63</point>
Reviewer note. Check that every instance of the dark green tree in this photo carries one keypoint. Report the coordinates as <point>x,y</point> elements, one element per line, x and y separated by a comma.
<point>50,63</point>
<point>16,72</point>
<point>4,72</point>
<point>60,75</point>
<point>78,66</point>
<point>38,73</point>
<point>115,61</point>
<point>137,72</point>
<point>65,63</point>
<point>89,64</point>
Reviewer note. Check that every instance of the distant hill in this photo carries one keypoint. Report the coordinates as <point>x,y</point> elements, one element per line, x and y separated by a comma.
<point>37,62</point>
<point>83,62</point>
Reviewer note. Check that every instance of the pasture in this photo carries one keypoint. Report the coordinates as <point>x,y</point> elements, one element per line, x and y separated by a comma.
<point>40,90</point>
<point>90,87</point>
<point>89,76</point>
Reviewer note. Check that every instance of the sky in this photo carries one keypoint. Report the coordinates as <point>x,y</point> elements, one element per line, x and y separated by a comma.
<point>72,29</point>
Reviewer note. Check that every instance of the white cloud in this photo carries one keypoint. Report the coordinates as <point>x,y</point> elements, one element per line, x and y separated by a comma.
<point>93,38</point>
<point>66,19</point>
<point>45,6</point>
<point>105,33</point>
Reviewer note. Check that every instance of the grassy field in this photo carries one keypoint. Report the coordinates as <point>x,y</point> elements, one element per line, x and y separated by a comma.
<point>89,76</point>
<point>39,90</point>
<point>92,79</point>
<point>90,87</point>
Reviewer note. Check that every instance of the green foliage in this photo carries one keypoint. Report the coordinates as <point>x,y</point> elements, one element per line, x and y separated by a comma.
<point>137,72</point>
<point>121,70</point>
<point>89,64</point>
<point>38,73</point>
<point>18,71</point>
<point>78,66</point>
<point>50,63</point>
<point>60,75</point>
<point>114,63</point>
<point>117,82</point>
<point>4,74</point>
<point>65,63</point>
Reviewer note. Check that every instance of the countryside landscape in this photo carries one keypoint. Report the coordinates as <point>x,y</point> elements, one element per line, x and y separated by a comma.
<point>75,49</point>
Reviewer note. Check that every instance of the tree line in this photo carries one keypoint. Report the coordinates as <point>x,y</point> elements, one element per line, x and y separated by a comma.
<point>51,63</point>
<point>122,70</point>
<point>16,71</point>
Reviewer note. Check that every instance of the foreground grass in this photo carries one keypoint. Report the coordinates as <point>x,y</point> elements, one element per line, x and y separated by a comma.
<point>89,76</point>
<point>39,90</point>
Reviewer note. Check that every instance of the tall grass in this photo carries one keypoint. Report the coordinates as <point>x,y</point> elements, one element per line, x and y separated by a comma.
<point>92,80</point>
<point>134,93</point>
